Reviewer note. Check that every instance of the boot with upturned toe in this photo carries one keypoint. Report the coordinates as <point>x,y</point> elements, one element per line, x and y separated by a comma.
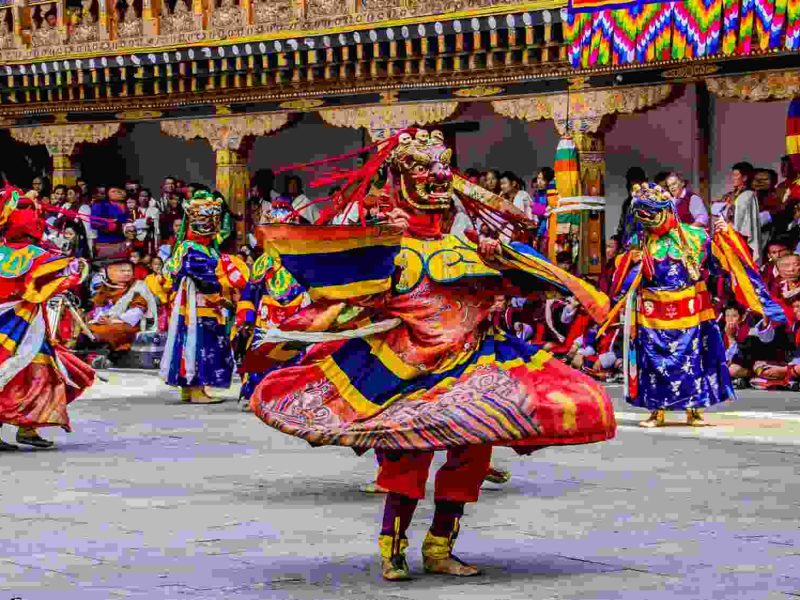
<point>394,566</point>
<point>30,437</point>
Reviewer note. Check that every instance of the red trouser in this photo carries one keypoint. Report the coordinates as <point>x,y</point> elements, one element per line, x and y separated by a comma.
<point>458,480</point>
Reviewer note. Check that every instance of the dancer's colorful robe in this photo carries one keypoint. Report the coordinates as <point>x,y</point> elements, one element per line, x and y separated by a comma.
<point>674,352</point>
<point>38,378</point>
<point>271,296</point>
<point>198,350</point>
<point>422,371</point>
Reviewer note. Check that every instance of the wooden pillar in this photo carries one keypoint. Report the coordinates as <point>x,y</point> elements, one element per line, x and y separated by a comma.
<point>703,141</point>
<point>233,182</point>
<point>592,161</point>
<point>64,169</point>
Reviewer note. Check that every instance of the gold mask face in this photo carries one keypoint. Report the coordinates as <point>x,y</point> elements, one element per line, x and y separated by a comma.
<point>422,166</point>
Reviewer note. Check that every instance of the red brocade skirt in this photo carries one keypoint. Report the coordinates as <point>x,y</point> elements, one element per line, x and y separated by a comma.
<point>38,396</point>
<point>507,393</point>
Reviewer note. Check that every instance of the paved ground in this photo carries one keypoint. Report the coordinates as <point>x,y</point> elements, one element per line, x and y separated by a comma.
<point>149,498</point>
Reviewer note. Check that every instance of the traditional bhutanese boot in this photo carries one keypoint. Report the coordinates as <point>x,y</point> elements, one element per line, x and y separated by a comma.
<point>199,395</point>
<point>29,437</point>
<point>393,558</point>
<point>374,488</point>
<point>498,476</point>
<point>694,417</point>
<point>656,419</point>
<point>186,394</point>
<point>437,549</point>
<point>392,542</point>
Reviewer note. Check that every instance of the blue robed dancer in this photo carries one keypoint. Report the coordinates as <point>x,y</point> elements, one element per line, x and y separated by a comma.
<point>674,356</point>
<point>198,352</point>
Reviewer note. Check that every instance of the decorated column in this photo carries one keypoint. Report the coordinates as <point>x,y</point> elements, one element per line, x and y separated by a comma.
<point>61,141</point>
<point>229,137</point>
<point>233,182</point>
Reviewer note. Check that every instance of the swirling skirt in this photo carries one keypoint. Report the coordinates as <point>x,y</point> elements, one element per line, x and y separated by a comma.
<point>507,393</point>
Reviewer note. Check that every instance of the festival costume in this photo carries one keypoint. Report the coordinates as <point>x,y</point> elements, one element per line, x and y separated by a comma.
<point>38,376</point>
<point>419,370</point>
<point>197,352</point>
<point>674,352</point>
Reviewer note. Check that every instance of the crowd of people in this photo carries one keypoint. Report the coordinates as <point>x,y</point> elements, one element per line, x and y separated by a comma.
<point>129,296</point>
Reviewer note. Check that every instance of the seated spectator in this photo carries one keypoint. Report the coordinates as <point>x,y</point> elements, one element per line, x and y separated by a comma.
<point>735,330</point>
<point>140,269</point>
<point>788,281</point>
<point>777,248</point>
<point>120,305</point>
<point>765,344</point>
<point>782,374</point>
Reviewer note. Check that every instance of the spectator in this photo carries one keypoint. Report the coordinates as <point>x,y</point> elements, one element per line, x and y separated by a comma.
<point>660,178</point>
<point>634,175</point>
<point>788,280</point>
<point>140,270</point>
<point>492,181</point>
<point>168,189</point>
<point>735,330</point>
<point>690,207</point>
<point>109,239</point>
<point>59,195</point>
<point>544,178</point>
<point>120,305</point>
<point>739,207</point>
<point>173,213</point>
<point>511,189</point>
<point>613,249</point>
<point>777,248</point>
<point>293,191</point>
<point>789,176</point>
<point>132,189</point>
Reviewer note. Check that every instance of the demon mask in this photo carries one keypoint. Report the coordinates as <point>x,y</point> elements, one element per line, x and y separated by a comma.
<point>203,215</point>
<point>421,166</point>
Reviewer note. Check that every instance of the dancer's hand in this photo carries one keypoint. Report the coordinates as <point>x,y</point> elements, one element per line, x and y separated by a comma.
<point>488,248</point>
<point>636,256</point>
<point>396,219</point>
<point>720,224</point>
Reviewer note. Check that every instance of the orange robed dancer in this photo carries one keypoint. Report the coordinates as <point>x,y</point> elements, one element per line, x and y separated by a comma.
<point>38,376</point>
<point>403,360</point>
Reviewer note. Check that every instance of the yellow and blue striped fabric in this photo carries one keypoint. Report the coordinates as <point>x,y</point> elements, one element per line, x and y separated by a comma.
<point>335,262</point>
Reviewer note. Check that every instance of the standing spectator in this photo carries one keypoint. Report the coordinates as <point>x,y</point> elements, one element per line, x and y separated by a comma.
<point>634,175</point>
<point>39,185</point>
<point>544,178</point>
<point>59,195</point>
<point>293,190</point>
<point>511,189</point>
<point>172,213</point>
<point>168,188</point>
<point>109,237</point>
<point>789,176</point>
<point>613,249</point>
<point>739,207</point>
<point>690,207</point>
<point>492,181</point>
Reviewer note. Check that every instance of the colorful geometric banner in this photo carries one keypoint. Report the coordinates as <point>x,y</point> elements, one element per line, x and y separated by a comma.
<point>607,32</point>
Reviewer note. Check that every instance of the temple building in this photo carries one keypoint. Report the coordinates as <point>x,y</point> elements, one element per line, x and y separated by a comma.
<point>224,87</point>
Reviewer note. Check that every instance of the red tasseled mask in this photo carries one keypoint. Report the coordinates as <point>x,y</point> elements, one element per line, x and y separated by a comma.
<point>24,223</point>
